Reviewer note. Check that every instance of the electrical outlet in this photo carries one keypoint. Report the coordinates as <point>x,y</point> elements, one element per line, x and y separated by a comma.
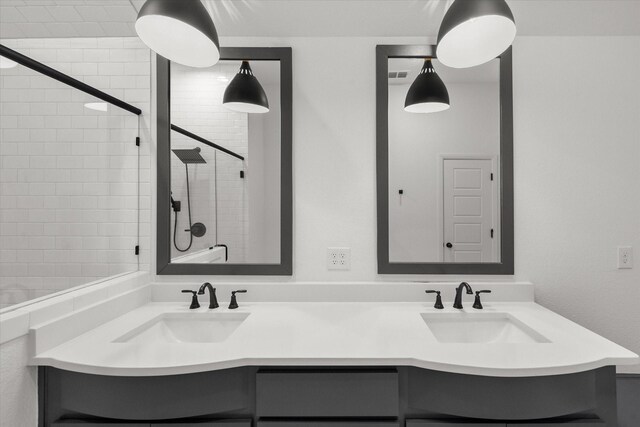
<point>339,258</point>
<point>625,257</point>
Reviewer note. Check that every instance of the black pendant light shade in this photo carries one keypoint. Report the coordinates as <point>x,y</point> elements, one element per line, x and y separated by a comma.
<point>474,32</point>
<point>180,30</point>
<point>245,94</point>
<point>427,93</point>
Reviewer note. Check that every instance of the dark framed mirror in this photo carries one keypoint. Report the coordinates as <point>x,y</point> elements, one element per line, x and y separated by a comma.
<point>444,168</point>
<point>224,193</point>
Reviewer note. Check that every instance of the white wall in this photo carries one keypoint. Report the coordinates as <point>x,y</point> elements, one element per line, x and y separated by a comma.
<point>263,178</point>
<point>69,175</point>
<point>417,144</point>
<point>577,186</point>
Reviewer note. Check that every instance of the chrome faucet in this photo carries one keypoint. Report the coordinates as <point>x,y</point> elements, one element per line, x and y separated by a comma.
<point>213,301</point>
<point>457,303</point>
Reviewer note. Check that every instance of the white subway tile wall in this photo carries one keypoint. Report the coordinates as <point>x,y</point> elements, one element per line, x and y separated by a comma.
<point>196,105</point>
<point>74,188</point>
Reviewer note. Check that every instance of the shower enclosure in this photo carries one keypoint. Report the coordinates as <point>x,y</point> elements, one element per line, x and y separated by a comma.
<point>199,199</point>
<point>73,173</point>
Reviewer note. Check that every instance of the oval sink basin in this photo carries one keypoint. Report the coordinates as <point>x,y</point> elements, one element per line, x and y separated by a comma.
<point>185,328</point>
<point>485,328</point>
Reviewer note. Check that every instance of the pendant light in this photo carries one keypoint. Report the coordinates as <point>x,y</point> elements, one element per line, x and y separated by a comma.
<point>181,31</point>
<point>245,94</point>
<point>427,93</point>
<point>474,32</point>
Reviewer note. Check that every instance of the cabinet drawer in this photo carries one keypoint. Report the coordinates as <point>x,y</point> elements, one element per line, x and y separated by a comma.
<point>83,423</point>
<point>502,398</point>
<point>327,393</point>
<point>444,423</point>
<point>146,399</point>
<point>205,423</point>
<point>327,424</point>
<point>568,423</point>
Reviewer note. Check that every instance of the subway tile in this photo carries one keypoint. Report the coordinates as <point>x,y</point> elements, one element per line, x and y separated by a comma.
<point>69,189</point>
<point>84,69</point>
<point>57,175</point>
<point>57,122</point>
<point>70,55</point>
<point>47,220</point>
<point>111,69</point>
<point>29,202</point>
<point>29,256</point>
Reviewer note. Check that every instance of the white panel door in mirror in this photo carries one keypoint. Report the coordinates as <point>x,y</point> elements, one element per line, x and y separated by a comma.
<point>469,212</point>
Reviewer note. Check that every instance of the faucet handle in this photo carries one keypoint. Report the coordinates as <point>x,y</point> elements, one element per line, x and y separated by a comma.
<point>438,303</point>
<point>477,304</point>
<point>234,302</point>
<point>194,298</point>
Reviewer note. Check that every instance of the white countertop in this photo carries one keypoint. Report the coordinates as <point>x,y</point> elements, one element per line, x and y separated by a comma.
<point>345,334</point>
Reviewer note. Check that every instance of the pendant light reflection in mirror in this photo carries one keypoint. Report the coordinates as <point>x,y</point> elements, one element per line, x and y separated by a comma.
<point>427,93</point>
<point>474,32</point>
<point>181,31</point>
<point>245,93</point>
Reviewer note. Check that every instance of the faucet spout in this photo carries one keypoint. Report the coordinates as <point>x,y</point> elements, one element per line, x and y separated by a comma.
<point>457,303</point>
<point>213,301</point>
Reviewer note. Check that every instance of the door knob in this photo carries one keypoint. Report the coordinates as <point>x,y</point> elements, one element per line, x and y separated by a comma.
<point>449,245</point>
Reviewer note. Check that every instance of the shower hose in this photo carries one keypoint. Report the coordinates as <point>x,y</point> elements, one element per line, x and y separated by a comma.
<point>175,222</point>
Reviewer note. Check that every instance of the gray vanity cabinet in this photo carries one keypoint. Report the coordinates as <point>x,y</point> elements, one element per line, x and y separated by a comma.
<point>226,423</point>
<point>328,397</point>
<point>200,423</point>
<point>569,423</point>
<point>81,423</point>
<point>327,424</point>
<point>327,393</point>
<point>441,423</point>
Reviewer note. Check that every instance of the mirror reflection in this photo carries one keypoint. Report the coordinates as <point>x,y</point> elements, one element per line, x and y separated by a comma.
<point>225,163</point>
<point>444,183</point>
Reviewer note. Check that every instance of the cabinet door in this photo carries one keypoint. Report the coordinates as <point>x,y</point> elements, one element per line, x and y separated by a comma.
<point>568,423</point>
<point>83,423</point>
<point>327,393</point>
<point>457,423</point>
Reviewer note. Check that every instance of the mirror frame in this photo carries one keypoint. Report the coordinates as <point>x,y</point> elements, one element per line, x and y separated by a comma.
<point>506,264</point>
<point>163,235</point>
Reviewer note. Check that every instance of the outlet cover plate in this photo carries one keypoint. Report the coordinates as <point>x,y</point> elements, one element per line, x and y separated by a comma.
<point>625,257</point>
<point>338,258</point>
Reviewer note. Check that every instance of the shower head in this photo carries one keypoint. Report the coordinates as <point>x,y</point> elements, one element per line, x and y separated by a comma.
<point>189,156</point>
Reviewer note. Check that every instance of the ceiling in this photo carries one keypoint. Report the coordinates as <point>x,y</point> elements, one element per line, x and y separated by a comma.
<point>315,18</point>
<point>267,72</point>
<point>485,73</point>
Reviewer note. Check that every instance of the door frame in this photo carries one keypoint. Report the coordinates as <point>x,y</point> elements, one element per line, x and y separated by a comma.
<point>495,196</point>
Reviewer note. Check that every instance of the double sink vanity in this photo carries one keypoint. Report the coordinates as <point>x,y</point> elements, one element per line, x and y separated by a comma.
<point>341,354</point>
<point>332,364</point>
